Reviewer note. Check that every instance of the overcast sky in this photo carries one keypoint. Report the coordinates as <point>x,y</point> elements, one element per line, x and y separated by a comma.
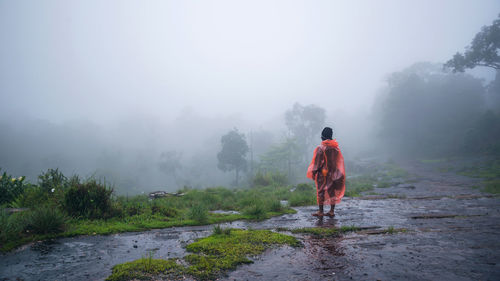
<point>102,60</point>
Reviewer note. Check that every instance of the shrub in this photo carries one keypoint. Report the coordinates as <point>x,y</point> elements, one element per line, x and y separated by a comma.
<point>198,213</point>
<point>52,179</point>
<point>89,200</point>
<point>11,225</point>
<point>31,197</point>
<point>275,205</point>
<point>45,220</point>
<point>10,188</point>
<point>256,211</point>
<point>163,210</point>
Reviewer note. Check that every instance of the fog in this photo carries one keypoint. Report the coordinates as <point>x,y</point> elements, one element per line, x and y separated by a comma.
<point>113,89</point>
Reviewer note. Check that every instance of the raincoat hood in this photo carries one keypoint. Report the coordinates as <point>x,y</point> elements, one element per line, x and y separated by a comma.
<point>331,143</point>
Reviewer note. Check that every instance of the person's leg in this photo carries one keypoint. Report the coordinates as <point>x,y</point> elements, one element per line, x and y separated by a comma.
<point>332,211</point>
<point>320,212</point>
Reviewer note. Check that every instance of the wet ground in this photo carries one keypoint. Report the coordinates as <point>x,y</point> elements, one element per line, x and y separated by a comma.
<point>453,233</point>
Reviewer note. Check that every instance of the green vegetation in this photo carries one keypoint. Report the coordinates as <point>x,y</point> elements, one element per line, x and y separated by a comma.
<point>381,176</point>
<point>88,200</point>
<point>145,268</point>
<point>61,207</point>
<point>487,170</point>
<point>219,230</point>
<point>210,256</point>
<point>392,230</point>
<point>198,213</point>
<point>303,195</point>
<point>492,186</point>
<point>11,188</point>
<point>324,231</point>
<point>44,220</point>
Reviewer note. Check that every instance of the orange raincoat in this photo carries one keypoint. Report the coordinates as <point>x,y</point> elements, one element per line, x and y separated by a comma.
<point>327,170</point>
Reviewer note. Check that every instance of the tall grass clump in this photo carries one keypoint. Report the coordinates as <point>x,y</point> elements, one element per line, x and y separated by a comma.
<point>10,226</point>
<point>44,220</point>
<point>160,207</point>
<point>218,230</point>
<point>275,205</point>
<point>255,211</point>
<point>89,200</point>
<point>198,213</point>
<point>303,195</point>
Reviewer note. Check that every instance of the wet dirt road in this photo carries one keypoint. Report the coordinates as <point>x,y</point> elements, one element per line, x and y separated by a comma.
<point>452,234</point>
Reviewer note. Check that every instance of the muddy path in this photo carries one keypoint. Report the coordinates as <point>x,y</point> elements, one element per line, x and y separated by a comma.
<point>453,233</point>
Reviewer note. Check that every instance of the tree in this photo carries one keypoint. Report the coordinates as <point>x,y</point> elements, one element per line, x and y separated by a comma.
<point>305,124</point>
<point>232,155</point>
<point>427,112</point>
<point>483,51</point>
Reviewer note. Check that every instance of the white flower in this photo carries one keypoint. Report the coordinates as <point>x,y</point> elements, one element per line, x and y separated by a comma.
<point>52,190</point>
<point>20,178</point>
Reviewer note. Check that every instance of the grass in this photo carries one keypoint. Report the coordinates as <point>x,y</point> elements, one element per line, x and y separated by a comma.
<point>490,171</point>
<point>303,195</point>
<point>208,258</point>
<point>45,220</point>
<point>492,186</point>
<point>355,186</point>
<point>324,231</point>
<point>138,213</point>
<point>145,268</point>
<point>392,230</point>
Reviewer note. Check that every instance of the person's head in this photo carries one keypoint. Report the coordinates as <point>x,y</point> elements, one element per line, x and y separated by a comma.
<point>327,133</point>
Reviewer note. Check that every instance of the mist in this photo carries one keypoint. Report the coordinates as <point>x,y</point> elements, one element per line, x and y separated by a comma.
<point>114,89</point>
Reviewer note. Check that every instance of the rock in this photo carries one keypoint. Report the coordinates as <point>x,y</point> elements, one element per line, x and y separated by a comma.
<point>159,194</point>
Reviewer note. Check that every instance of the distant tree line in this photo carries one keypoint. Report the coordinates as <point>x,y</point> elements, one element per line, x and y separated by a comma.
<point>428,111</point>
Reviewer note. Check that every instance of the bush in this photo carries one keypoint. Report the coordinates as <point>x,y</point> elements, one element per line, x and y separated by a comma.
<point>275,205</point>
<point>198,213</point>
<point>11,225</point>
<point>45,220</point>
<point>31,197</point>
<point>89,200</point>
<point>163,210</point>
<point>10,188</point>
<point>52,180</point>
<point>256,211</point>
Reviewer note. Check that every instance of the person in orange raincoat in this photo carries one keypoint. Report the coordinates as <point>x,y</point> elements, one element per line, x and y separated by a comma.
<point>327,170</point>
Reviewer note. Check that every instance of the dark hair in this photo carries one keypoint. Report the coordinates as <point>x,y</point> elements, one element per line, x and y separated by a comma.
<point>327,133</point>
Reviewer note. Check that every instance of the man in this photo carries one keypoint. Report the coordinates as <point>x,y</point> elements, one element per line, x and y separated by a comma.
<point>327,170</point>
